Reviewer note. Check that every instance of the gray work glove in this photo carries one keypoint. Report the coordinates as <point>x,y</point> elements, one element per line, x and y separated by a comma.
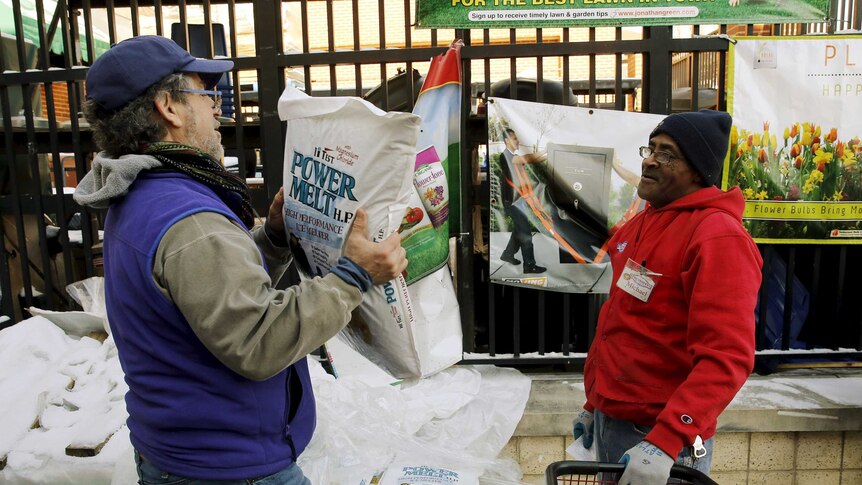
<point>646,464</point>
<point>583,425</point>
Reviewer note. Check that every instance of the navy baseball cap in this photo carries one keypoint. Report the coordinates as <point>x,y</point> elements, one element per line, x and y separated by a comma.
<point>128,68</point>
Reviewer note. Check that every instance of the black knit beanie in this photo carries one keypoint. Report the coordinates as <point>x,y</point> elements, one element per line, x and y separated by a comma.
<point>703,139</point>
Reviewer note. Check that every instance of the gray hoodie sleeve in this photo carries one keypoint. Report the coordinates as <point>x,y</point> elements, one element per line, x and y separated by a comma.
<point>211,269</point>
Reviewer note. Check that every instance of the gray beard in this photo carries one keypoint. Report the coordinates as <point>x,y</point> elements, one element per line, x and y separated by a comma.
<point>210,145</point>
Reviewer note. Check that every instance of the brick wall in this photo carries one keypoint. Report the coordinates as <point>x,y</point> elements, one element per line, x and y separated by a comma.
<point>793,458</point>
<point>61,101</point>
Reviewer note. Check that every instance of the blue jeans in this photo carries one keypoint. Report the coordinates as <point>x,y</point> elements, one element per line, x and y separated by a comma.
<point>149,474</point>
<point>613,437</point>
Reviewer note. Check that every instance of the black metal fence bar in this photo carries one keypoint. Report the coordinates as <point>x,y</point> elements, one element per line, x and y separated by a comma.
<point>381,32</point>
<point>619,97</point>
<point>357,68</point>
<point>464,257</point>
<point>6,302</point>
<point>65,206</point>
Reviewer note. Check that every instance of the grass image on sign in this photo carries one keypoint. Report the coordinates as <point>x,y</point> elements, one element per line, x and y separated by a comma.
<point>483,14</point>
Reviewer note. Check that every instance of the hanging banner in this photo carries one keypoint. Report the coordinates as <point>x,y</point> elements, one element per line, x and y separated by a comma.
<point>795,142</point>
<point>562,180</point>
<point>485,14</point>
<point>426,223</point>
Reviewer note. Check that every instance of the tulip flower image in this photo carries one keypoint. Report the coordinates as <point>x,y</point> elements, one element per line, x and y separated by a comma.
<point>808,163</point>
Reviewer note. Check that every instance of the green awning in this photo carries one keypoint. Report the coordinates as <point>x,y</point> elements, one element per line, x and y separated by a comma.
<point>31,27</point>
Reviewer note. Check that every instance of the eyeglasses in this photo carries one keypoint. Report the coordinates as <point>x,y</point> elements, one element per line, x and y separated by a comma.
<point>215,96</point>
<point>660,157</point>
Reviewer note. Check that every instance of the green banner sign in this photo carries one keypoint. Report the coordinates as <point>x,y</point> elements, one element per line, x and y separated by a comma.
<point>483,14</point>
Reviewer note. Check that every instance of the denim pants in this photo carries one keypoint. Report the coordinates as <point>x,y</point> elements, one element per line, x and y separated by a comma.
<point>149,474</point>
<point>613,437</point>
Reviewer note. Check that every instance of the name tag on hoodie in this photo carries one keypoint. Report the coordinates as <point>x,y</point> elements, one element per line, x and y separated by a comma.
<point>637,280</point>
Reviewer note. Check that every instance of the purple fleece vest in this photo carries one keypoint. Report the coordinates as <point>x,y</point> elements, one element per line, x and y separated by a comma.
<point>188,413</point>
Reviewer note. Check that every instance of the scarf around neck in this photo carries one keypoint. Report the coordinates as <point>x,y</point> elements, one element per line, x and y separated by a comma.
<point>230,187</point>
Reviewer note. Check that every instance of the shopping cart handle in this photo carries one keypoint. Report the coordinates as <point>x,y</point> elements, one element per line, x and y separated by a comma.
<point>584,472</point>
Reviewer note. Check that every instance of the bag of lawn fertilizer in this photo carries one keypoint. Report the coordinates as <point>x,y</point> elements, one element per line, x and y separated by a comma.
<point>343,153</point>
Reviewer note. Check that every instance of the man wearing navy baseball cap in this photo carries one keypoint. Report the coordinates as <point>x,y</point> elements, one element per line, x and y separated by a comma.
<point>675,339</point>
<point>213,354</point>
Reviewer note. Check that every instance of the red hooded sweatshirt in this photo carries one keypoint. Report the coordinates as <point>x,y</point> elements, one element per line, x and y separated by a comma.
<point>675,361</point>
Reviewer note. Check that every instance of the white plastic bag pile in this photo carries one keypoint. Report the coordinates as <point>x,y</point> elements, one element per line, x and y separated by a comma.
<point>448,428</point>
<point>341,154</point>
<point>90,294</point>
<point>60,396</point>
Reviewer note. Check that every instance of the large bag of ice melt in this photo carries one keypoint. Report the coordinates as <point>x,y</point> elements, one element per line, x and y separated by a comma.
<point>341,154</point>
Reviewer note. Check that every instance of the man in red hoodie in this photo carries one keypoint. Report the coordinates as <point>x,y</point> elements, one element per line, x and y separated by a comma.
<point>675,340</point>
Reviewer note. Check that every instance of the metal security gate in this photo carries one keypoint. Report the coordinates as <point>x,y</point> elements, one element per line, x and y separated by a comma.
<point>369,48</point>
